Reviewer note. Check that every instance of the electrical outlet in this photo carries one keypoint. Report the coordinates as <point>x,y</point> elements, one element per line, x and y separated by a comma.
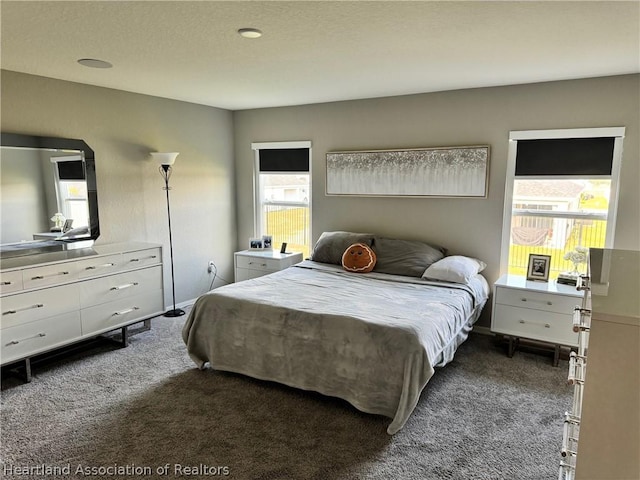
<point>211,266</point>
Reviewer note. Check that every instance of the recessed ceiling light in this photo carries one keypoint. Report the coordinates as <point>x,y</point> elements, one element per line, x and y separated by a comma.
<point>250,33</point>
<point>94,63</point>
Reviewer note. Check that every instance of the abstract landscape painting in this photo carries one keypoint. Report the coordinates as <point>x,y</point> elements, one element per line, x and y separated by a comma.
<point>433,172</point>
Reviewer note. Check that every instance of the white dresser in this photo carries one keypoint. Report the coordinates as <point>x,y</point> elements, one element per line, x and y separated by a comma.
<point>541,311</point>
<point>601,437</point>
<point>256,263</point>
<point>54,299</point>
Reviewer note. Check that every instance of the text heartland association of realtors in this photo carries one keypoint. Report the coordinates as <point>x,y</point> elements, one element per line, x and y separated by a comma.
<point>129,470</point>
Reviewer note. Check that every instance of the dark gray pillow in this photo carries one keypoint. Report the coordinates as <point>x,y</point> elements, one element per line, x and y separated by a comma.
<point>331,245</point>
<point>404,257</point>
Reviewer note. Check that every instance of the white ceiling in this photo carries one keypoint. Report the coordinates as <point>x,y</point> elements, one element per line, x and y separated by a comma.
<point>314,51</point>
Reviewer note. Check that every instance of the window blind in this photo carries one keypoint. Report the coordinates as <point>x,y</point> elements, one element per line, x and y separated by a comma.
<point>71,170</point>
<point>565,156</point>
<point>284,160</point>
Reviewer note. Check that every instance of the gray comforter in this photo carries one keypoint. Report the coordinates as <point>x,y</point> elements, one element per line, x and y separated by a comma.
<point>371,339</point>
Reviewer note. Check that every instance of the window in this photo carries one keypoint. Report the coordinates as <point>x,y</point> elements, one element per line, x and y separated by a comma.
<point>561,193</point>
<point>282,193</point>
<point>71,189</point>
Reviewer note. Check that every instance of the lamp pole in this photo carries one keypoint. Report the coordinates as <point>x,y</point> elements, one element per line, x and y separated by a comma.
<point>165,171</point>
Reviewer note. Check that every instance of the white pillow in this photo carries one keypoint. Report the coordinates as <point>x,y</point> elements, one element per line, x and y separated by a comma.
<point>456,268</point>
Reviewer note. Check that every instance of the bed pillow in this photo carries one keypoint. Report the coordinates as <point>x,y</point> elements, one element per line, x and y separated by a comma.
<point>404,257</point>
<point>331,245</point>
<point>358,258</point>
<point>456,268</point>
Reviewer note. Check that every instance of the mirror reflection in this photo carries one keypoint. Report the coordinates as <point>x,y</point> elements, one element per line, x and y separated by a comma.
<point>47,192</point>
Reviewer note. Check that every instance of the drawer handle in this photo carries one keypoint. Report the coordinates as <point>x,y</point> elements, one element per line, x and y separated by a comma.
<point>16,342</point>
<point>104,265</point>
<point>128,310</point>
<point>546,302</point>
<point>577,365</point>
<point>6,283</point>
<point>122,287</point>
<point>42,277</point>
<point>11,312</point>
<point>566,471</point>
<point>579,319</point>
<point>145,258</point>
<point>258,263</point>
<point>569,437</point>
<point>545,325</point>
<point>583,283</point>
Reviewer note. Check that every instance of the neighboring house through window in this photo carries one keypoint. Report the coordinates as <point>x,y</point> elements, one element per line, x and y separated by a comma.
<point>282,193</point>
<point>561,193</point>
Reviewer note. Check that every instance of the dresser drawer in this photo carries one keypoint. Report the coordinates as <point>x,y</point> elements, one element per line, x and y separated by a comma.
<point>123,285</point>
<point>49,275</point>
<point>534,324</point>
<point>11,281</point>
<point>535,300</point>
<point>30,306</point>
<point>105,317</point>
<point>141,258</point>
<point>257,263</point>
<point>35,337</point>
<point>93,267</point>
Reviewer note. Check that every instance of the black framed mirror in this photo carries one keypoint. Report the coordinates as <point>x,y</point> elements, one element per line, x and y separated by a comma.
<point>48,192</point>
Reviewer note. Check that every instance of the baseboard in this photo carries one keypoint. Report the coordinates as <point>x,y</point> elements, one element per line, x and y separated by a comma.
<point>483,330</point>
<point>185,304</point>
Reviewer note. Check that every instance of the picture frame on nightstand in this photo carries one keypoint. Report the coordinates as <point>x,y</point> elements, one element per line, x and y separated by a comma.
<point>539,266</point>
<point>256,244</point>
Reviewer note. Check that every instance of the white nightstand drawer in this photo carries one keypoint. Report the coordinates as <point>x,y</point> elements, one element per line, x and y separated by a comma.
<point>35,337</point>
<point>141,258</point>
<point>11,281</point>
<point>93,267</point>
<point>49,275</point>
<point>258,263</point>
<point>534,324</point>
<point>108,316</point>
<point>31,306</point>
<point>123,285</point>
<point>535,300</point>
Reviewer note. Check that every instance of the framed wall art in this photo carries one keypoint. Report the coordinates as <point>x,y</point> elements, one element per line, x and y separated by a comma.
<point>421,172</point>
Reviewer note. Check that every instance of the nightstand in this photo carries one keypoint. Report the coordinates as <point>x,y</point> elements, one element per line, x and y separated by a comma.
<point>256,263</point>
<point>541,311</point>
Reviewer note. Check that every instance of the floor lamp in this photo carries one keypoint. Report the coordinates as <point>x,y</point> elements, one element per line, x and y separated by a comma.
<point>166,160</point>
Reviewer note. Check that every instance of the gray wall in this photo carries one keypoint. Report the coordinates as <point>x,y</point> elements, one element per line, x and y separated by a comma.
<point>465,117</point>
<point>23,195</point>
<point>122,128</point>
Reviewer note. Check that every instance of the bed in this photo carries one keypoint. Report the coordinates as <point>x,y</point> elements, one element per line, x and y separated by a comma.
<point>371,339</point>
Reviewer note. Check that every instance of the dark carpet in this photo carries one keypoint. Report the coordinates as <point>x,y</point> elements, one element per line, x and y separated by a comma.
<point>145,411</point>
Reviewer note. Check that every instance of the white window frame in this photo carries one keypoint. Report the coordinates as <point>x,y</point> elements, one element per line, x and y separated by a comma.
<point>514,136</point>
<point>257,206</point>
<point>62,201</point>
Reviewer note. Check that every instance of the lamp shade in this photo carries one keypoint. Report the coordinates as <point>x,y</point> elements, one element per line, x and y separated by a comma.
<point>165,158</point>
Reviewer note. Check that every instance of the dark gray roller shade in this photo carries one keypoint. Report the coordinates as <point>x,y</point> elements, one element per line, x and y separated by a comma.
<point>71,170</point>
<point>284,160</point>
<point>565,156</point>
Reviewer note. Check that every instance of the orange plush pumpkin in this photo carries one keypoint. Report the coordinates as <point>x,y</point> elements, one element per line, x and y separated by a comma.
<point>358,258</point>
